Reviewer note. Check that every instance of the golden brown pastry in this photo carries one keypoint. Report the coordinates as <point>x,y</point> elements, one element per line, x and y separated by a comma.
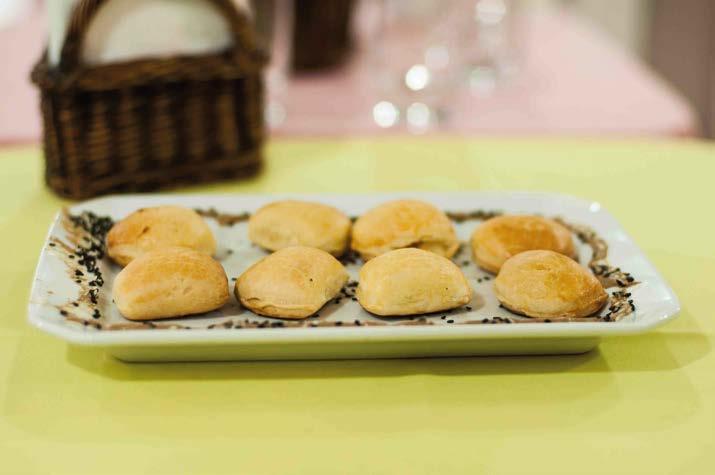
<point>300,223</point>
<point>294,282</point>
<point>411,281</point>
<point>497,239</point>
<point>156,228</point>
<point>170,282</point>
<point>546,284</point>
<point>404,223</point>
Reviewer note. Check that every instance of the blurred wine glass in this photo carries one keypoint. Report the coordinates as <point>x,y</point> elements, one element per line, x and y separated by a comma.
<point>491,42</point>
<point>423,51</point>
<point>274,27</point>
<point>414,61</point>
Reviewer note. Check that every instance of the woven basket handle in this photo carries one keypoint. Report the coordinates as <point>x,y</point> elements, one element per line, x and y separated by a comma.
<point>84,12</point>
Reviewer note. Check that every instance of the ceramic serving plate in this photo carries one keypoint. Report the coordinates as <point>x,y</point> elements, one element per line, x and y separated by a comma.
<point>71,295</point>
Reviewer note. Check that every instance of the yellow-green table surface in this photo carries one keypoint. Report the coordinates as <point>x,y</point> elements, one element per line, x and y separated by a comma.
<point>640,404</point>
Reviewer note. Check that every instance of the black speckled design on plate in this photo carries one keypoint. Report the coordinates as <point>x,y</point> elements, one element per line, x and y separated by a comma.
<point>86,246</point>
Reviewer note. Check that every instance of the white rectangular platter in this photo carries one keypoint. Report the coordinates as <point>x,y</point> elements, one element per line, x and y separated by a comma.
<point>68,301</point>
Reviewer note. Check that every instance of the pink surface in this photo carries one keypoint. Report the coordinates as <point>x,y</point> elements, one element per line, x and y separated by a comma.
<point>20,46</point>
<point>576,81</point>
<point>573,81</point>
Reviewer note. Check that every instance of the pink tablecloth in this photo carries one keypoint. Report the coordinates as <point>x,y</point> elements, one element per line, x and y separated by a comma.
<point>20,46</point>
<point>573,80</point>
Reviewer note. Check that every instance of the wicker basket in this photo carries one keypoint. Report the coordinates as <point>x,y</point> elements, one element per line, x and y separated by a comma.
<point>321,34</point>
<point>146,124</point>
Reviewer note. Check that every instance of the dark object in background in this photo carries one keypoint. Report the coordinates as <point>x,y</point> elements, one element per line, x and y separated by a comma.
<point>321,33</point>
<point>151,123</point>
<point>683,51</point>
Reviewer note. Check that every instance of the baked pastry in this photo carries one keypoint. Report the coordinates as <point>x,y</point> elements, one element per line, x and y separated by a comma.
<point>404,223</point>
<point>294,282</point>
<point>411,281</point>
<point>497,239</point>
<point>170,282</point>
<point>546,284</point>
<point>299,223</point>
<point>149,229</point>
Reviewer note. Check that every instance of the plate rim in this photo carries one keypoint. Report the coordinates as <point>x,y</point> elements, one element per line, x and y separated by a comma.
<point>257,336</point>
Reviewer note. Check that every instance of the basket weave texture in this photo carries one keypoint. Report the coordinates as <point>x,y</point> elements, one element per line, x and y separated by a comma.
<point>151,123</point>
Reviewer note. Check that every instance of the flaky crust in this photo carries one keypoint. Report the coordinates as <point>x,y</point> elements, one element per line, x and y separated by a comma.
<point>499,238</point>
<point>293,283</point>
<point>159,227</point>
<point>411,281</point>
<point>170,282</point>
<point>404,223</point>
<point>298,223</point>
<point>546,284</point>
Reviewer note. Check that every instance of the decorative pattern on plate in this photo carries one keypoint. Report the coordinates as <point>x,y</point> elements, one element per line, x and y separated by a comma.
<point>82,250</point>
